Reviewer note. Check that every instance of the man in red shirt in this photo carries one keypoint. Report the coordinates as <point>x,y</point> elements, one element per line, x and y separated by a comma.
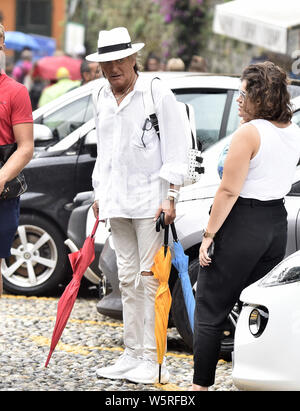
<point>16,126</point>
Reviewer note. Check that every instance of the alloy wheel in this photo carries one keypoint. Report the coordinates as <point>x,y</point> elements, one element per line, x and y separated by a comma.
<point>33,257</point>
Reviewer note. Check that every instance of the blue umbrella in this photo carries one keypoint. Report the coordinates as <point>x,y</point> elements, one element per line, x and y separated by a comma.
<point>181,263</point>
<point>17,40</point>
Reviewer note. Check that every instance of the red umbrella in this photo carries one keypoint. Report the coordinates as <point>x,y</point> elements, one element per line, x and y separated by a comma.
<point>80,260</point>
<point>47,67</point>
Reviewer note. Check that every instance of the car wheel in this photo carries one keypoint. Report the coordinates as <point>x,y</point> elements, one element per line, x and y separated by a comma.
<point>38,260</point>
<point>180,316</point>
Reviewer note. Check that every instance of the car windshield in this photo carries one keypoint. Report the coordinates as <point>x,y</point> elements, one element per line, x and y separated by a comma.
<point>296,118</point>
<point>68,118</point>
<point>209,108</point>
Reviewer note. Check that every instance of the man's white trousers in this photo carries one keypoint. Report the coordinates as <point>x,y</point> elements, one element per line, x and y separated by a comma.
<point>136,242</point>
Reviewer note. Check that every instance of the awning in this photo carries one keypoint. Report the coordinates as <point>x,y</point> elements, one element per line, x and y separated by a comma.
<point>271,24</point>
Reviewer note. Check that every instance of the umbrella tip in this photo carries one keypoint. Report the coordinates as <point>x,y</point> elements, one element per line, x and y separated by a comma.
<point>48,359</point>
<point>159,374</point>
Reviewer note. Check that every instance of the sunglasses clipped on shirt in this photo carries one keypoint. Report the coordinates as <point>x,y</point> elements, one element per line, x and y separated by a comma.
<point>146,127</point>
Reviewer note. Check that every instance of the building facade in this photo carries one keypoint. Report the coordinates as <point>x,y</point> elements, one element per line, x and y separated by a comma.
<point>43,17</point>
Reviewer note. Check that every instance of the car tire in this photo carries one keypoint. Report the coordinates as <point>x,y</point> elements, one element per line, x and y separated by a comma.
<point>181,321</point>
<point>38,263</point>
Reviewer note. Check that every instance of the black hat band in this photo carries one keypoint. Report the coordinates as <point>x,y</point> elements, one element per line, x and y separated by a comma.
<point>116,47</point>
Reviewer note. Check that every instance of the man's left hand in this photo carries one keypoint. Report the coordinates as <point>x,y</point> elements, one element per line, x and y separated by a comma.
<point>168,207</point>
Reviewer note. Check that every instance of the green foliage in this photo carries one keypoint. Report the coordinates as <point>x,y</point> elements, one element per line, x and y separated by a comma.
<point>169,28</point>
<point>187,17</point>
<point>140,17</point>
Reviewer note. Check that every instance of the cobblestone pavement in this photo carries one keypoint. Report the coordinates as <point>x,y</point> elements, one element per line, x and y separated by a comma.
<point>89,341</point>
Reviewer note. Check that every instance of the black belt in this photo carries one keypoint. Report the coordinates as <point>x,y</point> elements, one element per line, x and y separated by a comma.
<point>258,203</point>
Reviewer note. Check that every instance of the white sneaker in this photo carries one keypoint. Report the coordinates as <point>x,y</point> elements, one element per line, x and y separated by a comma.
<point>123,364</point>
<point>147,372</point>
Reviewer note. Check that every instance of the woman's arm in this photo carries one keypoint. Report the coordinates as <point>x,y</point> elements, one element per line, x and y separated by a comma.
<point>244,146</point>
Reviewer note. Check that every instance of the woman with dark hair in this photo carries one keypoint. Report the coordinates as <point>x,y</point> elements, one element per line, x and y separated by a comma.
<point>248,221</point>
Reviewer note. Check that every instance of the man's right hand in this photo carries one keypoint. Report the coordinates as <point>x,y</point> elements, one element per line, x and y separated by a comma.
<point>95,208</point>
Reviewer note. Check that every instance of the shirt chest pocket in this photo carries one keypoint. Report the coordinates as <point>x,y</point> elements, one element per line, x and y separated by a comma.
<point>145,150</point>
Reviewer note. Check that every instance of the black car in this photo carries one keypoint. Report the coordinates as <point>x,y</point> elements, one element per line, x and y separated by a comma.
<point>39,260</point>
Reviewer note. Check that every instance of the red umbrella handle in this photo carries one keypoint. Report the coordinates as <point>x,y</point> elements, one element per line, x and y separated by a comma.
<point>95,227</point>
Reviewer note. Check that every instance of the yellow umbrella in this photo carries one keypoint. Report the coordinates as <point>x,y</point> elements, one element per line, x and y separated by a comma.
<point>161,270</point>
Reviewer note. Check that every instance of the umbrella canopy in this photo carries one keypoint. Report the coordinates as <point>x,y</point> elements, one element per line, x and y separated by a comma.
<point>161,270</point>
<point>47,67</point>
<point>181,263</point>
<point>80,260</point>
<point>16,40</point>
<point>271,24</point>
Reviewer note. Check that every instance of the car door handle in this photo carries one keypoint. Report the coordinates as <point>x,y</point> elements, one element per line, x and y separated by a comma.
<point>70,153</point>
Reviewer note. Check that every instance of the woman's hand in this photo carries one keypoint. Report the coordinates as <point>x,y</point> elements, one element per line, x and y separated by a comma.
<point>204,259</point>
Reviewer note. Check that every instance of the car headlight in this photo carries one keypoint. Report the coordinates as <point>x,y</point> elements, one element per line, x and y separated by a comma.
<point>286,272</point>
<point>258,320</point>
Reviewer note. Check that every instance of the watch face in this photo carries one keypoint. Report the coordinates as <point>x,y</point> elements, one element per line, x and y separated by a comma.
<point>208,235</point>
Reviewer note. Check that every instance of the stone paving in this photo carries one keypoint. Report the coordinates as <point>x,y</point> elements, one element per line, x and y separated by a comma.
<point>89,341</point>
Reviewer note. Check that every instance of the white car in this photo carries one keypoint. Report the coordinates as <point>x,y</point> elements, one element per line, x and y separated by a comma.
<point>267,338</point>
<point>192,212</point>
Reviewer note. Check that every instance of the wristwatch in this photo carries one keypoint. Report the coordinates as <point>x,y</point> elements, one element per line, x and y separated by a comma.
<point>206,234</point>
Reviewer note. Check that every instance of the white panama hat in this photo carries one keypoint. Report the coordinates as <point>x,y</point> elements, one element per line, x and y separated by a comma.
<point>114,44</point>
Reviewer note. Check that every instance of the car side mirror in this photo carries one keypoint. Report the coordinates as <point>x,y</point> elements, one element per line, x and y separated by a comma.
<point>90,143</point>
<point>42,133</point>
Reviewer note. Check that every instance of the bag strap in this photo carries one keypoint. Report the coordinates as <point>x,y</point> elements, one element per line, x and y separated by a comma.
<point>96,99</point>
<point>150,112</point>
<point>150,107</point>
<point>192,134</point>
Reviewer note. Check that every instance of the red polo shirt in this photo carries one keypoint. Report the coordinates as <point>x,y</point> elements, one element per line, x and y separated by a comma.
<point>15,107</point>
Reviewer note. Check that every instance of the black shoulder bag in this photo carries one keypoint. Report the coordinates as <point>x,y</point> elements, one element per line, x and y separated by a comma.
<point>17,186</point>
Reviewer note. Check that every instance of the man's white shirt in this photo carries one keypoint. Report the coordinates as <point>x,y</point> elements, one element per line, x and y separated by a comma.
<point>134,168</point>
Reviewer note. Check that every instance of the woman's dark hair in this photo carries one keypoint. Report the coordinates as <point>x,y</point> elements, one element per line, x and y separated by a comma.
<point>267,88</point>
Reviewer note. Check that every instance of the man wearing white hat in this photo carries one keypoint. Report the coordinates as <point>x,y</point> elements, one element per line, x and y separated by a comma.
<point>132,176</point>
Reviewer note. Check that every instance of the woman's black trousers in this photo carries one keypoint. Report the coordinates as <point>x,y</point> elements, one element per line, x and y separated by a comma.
<point>249,244</point>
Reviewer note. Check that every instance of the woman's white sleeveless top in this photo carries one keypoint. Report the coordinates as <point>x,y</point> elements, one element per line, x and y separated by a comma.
<point>272,169</point>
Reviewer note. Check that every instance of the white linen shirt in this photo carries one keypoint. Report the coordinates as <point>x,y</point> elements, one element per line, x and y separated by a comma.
<point>131,180</point>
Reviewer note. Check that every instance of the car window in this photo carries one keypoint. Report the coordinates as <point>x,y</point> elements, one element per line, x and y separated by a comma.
<point>68,118</point>
<point>233,118</point>
<point>296,117</point>
<point>209,108</point>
